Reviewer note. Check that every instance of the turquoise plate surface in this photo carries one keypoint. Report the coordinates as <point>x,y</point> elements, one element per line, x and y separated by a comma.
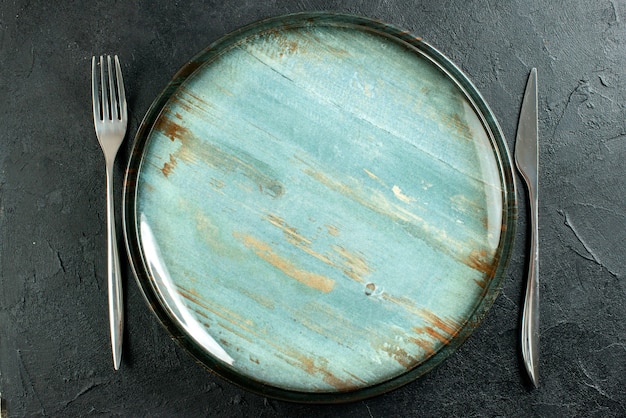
<point>320,207</point>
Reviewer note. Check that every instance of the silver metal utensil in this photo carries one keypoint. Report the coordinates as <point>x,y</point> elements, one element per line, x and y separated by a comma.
<point>527,161</point>
<point>110,118</point>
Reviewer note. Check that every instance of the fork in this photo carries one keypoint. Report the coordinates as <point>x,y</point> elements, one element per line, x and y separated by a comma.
<point>110,118</point>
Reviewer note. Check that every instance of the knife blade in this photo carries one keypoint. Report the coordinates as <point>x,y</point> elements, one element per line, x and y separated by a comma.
<point>527,161</point>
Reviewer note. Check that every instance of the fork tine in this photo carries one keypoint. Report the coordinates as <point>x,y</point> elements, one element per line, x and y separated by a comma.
<point>120,89</point>
<point>115,114</point>
<point>106,109</point>
<point>95,99</point>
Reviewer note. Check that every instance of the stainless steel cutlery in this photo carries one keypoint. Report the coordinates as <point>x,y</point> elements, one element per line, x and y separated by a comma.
<point>110,118</point>
<point>526,159</point>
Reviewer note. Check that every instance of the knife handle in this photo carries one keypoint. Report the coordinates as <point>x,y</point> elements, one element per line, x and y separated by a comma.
<point>530,315</point>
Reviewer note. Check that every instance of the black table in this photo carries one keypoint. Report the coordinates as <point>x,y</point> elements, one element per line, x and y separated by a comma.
<point>54,343</point>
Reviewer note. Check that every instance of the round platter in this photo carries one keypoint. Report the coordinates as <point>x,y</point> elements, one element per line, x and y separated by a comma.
<point>319,207</point>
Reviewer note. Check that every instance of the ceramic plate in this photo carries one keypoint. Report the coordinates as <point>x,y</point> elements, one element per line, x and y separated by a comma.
<point>319,207</point>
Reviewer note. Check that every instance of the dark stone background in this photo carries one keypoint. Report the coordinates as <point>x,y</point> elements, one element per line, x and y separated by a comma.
<point>54,345</point>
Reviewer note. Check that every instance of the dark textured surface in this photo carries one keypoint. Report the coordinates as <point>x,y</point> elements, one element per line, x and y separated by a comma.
<point>54,344</point>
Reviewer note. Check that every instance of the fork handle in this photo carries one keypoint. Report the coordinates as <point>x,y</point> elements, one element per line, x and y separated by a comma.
<point>114,277</point>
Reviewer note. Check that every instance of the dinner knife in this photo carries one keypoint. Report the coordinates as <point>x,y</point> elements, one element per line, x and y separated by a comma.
<point>527,161</point>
